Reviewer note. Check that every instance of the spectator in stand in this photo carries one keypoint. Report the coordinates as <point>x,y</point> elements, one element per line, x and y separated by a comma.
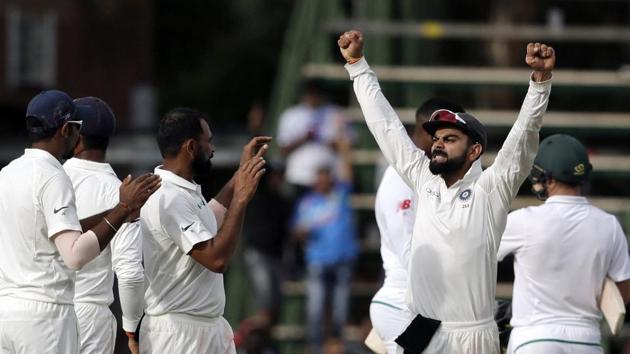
<point>307,133</point>
<point>324,220</point>
<point>306,136</point>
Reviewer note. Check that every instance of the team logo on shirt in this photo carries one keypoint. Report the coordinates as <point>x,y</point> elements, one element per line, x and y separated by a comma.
<point>201,204</point>
<point>55,210</point>
<point>433,193</point>
<point>185,228</point>
<point>465,195</point>
<point>405,204</point>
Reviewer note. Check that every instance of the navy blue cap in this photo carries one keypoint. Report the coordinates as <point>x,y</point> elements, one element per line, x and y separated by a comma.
<point>443,118</point>
<point>51,109</point>
<point>98,118</point>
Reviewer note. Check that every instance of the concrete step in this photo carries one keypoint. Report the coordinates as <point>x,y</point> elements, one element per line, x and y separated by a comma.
<point>474,75</point>
<point>506,118</point>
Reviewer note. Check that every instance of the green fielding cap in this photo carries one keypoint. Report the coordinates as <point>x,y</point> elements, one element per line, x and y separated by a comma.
<point>565,158</point>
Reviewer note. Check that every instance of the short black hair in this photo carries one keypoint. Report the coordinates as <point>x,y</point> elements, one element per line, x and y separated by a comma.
<point>177,126</point>
<point>37,131</point>
<point>426,109</point>
<point>93,142</point>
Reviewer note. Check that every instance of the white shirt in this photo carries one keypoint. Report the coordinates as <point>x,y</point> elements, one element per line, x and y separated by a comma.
<point>452,265</point>
<point>325,123</point>
<point>563,251</point>
<point>395,207</point>
<point>96,189</point>
<point>174,219</point>
<point>37,202</point>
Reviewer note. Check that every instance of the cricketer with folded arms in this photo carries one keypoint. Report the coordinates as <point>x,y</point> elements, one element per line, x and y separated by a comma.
<point>462,210</point>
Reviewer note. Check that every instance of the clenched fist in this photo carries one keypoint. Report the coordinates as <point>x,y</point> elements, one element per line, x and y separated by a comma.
<point>542,59</point>
<point>351,45</point>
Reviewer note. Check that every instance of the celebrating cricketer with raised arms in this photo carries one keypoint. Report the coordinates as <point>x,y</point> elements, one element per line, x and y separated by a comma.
<point>462,209</point>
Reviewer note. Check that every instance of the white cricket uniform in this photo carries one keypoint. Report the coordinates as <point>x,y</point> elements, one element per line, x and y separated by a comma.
<point>36,287</point>
<point>184,300</point>
<point>452,264</point>
<point>96,188</point>
<point>395,213</point>
<point>563,251</point>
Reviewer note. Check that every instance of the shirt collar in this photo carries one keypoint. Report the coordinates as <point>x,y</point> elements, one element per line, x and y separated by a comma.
<point>474,171</point>
<point>175,179</point>
<point>567,199</point>
<point>90,165</point>
<point>42,154</point>
<point>472,174</point>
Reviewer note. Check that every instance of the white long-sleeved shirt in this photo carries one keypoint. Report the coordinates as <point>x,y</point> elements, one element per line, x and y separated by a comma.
<point>96,189</point>
<point>452,265</point>
<point>395,213</point>
<point>563,251</point>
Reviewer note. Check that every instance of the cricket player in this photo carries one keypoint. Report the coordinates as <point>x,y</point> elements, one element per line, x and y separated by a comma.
<point>188,242</point>
<point>394,208</point>
<point>42,239</point>
<point>96,189</point>
<point>563,251</point>
<point>462,209</point>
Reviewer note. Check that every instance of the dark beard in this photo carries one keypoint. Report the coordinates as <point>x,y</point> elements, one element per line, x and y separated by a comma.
<point>201,166</point>
<point>451,164</point>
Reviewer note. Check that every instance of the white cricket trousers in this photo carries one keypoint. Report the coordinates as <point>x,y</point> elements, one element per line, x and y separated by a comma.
<point>480,337</point>
<point>555,339</point>
<point>389,315</point>
<point>179,333</point>
<point>28,327</point>
<point>97,328</point>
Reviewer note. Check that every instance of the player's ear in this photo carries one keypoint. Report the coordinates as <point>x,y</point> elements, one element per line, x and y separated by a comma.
<point>190,147</point>
<point>474,151</point>
<point>65,130</point>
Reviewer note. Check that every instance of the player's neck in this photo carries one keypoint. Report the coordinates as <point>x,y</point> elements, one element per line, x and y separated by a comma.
<point>183,170</point>
<point>50,147</point>
<point>574,191</point>
<point>555,187</point>
<point>91,155</point>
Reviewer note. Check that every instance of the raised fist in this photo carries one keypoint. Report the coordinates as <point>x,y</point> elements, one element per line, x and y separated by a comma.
<point>540,57</point>
<point>351,45</point>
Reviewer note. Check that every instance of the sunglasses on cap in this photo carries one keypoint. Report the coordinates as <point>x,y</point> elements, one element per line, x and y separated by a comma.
<point>78,122</point>
<point>444,115</point>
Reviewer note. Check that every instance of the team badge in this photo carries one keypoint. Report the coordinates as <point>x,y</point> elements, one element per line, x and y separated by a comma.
<point>465,195</point>
<point>578,170</point>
